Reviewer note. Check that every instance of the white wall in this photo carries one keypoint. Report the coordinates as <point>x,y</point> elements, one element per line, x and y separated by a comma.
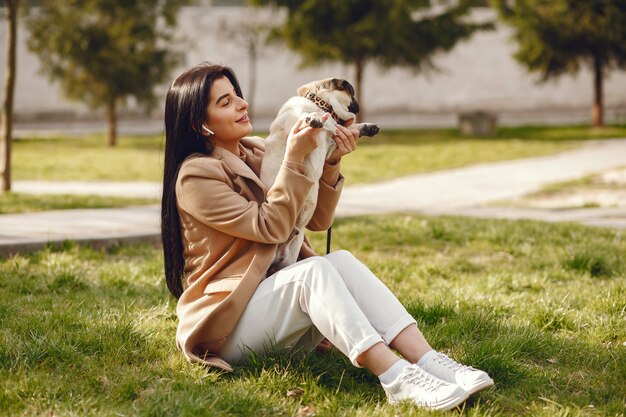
<point>477,74</point>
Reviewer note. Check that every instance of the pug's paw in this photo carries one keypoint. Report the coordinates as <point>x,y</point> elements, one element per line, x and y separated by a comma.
<point>314,121</point>
<point>369,129</point>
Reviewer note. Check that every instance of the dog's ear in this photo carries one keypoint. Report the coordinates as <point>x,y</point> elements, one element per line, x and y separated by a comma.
<point>302,90</point>
<point>335,84</point>
<point>341,85</point>
<point>346,86</point>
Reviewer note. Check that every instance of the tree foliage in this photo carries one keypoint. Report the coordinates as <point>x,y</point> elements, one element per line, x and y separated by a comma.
<point>105,51</point>
<point>558,37</point>
<point>388,32</point>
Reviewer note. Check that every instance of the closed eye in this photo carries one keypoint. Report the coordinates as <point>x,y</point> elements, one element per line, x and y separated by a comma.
<point>225,96</point>
<point>222,97</point>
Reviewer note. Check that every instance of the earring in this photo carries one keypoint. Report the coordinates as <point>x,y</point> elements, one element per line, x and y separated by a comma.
<point>206,129</point>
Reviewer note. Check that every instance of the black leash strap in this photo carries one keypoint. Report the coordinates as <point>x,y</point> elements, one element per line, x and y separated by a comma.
<point>328,235</point>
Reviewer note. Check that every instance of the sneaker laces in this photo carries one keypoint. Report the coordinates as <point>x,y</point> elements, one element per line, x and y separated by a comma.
<point>417,376</point>
<point>449,363</point>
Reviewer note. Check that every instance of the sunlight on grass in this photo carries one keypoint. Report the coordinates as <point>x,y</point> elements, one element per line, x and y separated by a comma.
<point>26,203</point>
<point>390,154</point>
<point>136,158</point>
<point>539,306</point>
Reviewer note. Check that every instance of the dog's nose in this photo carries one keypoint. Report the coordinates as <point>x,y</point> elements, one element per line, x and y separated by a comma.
<point>353,107</point>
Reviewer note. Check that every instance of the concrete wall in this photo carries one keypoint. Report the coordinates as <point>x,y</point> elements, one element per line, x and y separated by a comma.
<point>477,74</point>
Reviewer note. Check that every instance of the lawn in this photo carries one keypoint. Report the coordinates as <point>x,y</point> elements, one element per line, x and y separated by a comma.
<point>539,306</point>
<point>390,154</point>
<point>24,203</point>
<point>398,153</point>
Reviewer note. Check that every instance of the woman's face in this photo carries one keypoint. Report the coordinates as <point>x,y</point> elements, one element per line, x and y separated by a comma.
<point>227,113</point>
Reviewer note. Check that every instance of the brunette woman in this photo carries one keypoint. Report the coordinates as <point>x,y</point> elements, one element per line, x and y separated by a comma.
<point>220,228</point>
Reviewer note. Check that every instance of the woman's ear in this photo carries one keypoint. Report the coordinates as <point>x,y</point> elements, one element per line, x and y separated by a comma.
<point>208,131</point>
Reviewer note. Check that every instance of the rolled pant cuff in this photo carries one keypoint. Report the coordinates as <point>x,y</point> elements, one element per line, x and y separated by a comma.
<point>395,330</point>
<point>361,347</point>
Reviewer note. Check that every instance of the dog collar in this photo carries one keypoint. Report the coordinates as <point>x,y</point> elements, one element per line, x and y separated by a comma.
<point>324,106</point>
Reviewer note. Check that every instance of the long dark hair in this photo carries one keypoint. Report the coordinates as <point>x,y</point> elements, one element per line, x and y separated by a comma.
<point>185,110</point>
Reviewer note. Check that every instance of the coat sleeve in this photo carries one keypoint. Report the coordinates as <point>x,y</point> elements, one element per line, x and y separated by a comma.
<point>205,194</point>
<point>331,184</point>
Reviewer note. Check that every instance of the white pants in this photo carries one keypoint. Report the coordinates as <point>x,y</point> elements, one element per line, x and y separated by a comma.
<point>335,296</point>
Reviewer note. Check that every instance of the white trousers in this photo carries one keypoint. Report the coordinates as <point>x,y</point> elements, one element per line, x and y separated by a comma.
<point>335,296</point>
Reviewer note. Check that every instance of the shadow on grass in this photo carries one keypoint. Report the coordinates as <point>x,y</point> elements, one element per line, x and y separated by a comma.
<point>529,367</point>
<point>88,332</point>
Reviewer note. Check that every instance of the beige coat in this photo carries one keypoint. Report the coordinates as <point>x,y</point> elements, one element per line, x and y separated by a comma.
<point>230,224</point>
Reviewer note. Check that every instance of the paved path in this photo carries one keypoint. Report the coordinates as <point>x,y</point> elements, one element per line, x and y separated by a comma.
<point>463,191</point>
<point>451,190</point>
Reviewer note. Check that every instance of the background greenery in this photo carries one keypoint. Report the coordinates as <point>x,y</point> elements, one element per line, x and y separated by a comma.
<point>390,154</point>
<point>539,306</point>
<point>104,52</point>
<point>559,37</point>
<point>11,203</point>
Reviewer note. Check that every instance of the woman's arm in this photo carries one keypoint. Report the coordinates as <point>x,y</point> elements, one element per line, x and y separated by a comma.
<point>203,192</point>
<point>206,193</point>
<point>331,182</point>
<point>330,186</point>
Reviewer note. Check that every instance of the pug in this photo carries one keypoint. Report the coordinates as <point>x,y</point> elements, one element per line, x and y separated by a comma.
<point>334,96</point>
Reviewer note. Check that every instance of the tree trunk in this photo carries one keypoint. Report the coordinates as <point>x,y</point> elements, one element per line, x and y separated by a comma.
<point>597,113</point>
<point>112,116</point>
<point>359,66</point>
<point>10,7</point>
<point>252,71</point>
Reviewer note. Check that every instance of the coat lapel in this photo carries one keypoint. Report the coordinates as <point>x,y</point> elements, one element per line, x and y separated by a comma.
<point>241,168</point>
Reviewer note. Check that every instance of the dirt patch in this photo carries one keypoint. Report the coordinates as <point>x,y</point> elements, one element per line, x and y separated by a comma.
<point>607,189</point>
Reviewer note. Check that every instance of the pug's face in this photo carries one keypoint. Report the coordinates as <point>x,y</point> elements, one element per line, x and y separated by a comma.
<point>337,92</point>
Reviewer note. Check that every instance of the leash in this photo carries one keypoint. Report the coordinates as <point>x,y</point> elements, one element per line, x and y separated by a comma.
<point>328,109</point>
<point>328,236</point>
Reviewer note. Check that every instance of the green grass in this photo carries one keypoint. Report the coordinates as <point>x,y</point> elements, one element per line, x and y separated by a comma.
<point>397,153</point>
<point>391,154</point>
<point>25,203</point>
<point>539,306</point>
<point>136,158</point>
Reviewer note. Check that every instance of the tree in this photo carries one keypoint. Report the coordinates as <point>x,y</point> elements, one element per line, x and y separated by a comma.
<point>556,37</point>
<point>105,51</point>
<point>355,32</point>
<point>251,34</point>
<point>10,8</point>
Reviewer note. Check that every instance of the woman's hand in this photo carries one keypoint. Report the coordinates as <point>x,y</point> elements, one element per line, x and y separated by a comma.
<point>346,142</point>
<point>302,140</point>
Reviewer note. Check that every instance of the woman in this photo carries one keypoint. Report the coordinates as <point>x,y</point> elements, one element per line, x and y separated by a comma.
<point>220,228</point>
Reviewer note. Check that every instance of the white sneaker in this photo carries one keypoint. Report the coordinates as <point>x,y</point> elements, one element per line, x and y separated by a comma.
<point>470,379</point>
<point>424,389</point>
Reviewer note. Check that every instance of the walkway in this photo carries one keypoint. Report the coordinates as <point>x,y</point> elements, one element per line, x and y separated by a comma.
<point>462,191</point>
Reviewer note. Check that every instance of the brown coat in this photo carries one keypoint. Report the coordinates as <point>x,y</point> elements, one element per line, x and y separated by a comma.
<point>231,223</point>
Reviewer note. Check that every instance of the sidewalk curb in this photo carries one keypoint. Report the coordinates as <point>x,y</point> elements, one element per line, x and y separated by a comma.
<point>550,216</point>
<point>464,191</point>
<point>6,251</point>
